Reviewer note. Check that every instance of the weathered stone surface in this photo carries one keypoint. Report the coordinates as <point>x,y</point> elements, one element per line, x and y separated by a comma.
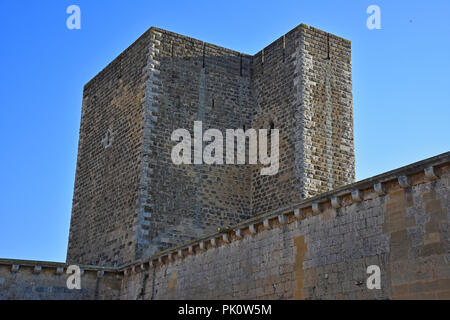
<point>131,201</point>
<point>49,282</point>
<point>404,231</point>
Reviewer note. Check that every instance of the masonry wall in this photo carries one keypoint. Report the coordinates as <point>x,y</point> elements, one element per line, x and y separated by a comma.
<point>398,221</point>
<point>325,117</point>
<point>34,280</point>
<point>103,228</point>
<point>195,81</point>
<point>319,248</point>
<point>300,84</point>
<point>131,201</point>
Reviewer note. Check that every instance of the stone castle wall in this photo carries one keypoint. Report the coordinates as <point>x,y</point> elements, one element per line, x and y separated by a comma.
<point>131,201</point>
<point>107,180</point>
<point>302,85</point>
<point>38,280</point>
<point>319,248</point>
<point>193,81</point>
<point>326,114</point>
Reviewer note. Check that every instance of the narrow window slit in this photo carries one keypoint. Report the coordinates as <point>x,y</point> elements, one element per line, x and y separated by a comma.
<point>204,55</point>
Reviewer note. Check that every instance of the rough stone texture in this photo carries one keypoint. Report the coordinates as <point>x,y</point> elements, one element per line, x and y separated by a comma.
<point>322,252</point>
<point>131,201</point>
<point>50,283</point>
<point>302,83</point>
<point>321,255</point>
<point>104,223</point>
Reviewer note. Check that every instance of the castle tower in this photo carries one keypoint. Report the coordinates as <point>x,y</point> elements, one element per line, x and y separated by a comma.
<point>130,200</point>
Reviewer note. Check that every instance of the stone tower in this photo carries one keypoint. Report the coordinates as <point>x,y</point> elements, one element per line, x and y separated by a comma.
<point>131,201</point>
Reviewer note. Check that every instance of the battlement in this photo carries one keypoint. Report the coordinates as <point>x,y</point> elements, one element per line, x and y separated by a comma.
<point>318,248</point>
<point>326,205</point>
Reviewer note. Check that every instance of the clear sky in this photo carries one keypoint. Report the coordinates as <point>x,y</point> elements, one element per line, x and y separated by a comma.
<point>400,85</point>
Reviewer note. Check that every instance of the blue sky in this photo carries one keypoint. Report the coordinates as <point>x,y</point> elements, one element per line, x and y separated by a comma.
<point>400,85</point>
